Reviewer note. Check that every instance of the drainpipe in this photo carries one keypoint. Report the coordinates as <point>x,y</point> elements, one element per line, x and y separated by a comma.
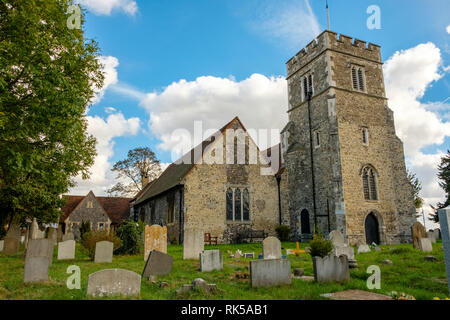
<point>279,199</point>
<point>309,97</point>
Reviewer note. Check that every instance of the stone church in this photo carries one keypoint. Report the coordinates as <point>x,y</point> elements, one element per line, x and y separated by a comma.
<point>341,166</point>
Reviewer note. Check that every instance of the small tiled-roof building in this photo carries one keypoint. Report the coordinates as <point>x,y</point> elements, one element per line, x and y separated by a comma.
<point>104,213</point>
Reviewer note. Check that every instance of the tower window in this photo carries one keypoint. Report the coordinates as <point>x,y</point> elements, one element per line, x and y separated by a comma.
<point>307,85</point>
<point>370,183</point>
<point>365,136</point>
<point>358,79</point>
<point>317,139</point>
<point>238,204</point>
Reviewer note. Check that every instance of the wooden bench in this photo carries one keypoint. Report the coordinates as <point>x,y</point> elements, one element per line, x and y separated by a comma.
<point>210,240</point>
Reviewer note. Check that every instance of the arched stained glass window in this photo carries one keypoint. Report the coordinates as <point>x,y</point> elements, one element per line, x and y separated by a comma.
<point>246,204</point>
<point>237,204</point>
<point>229,204</point>
<point>370,183</point>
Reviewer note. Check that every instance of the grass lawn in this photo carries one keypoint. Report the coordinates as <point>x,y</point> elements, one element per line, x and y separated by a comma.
<point>410,273</point>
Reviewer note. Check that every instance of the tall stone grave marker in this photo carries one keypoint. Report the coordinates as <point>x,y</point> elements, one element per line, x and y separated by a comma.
<point>444,220</point>
<point>211,260</point>
<point>114,282</point>
<point>158,264</point>
<point>271,248</point>
<point>104,252</point>
<point>53,235</point>
<point>155,239</point>
<point>272,272</point>
<point>40,248</point>
<point>66,250</point>
<point>68,236</point>
<point>2,243</point>
<point>12,240</point>
<point>337,238</point>
<point>193,243</point>
<point>418,232</point>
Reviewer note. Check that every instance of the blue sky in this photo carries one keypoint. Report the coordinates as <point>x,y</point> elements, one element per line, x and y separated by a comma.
<point>159,43</point>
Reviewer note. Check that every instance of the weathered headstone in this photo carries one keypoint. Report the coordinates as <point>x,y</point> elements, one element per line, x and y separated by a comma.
<point>158,264</point>
<point>337,238</point>
<point>444,220</point>
<point>34,230</point>
<point>53,235</point>
<point>40,248</point>
<point>36,269</point>
<point>211,260</point>
<point>66,250</point>
<point>114,282</point>
<point>68,236</point>
<point>425,245</point>
<point>346,251</point>
<point>418,232</point>
<point>193,243</point>
<point>271,248</point>
<point>272,272</point>
<point>2,243</point>
<point>363,248</point>
<point>11,246</point>
<point>331,269</point>
<point>103,252</point>
<point>155,239</point>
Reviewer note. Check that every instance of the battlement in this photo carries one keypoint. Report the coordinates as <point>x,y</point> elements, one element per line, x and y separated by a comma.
<point>331,40</point>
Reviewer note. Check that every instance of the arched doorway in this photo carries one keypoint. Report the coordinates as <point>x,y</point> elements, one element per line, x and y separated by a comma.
<point>372,229</point>
<point>304,220</point>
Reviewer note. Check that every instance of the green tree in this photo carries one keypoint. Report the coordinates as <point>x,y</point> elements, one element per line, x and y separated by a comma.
<point>417,187</point>
<point>444,176</point>
<point>48,75</point>
<point>140,165</point>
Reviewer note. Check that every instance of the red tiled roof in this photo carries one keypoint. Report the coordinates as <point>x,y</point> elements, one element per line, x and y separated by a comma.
<point>117,209</point>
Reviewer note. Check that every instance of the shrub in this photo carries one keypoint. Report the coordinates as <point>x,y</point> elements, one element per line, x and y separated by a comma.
<point>130,233</point>
<point>85,228</point>
<point>91,238</point>
<point>320,247</point>
<point>283,232</point>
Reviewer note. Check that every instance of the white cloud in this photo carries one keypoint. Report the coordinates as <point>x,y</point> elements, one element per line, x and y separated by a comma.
<point>110,110</point>
<point>259,101</point>
<point>105,130</point>
<point>109,64</point>
<point>293,22</point>
<point>409,73</point>
<point>448,29</point>
<point>105,7</point>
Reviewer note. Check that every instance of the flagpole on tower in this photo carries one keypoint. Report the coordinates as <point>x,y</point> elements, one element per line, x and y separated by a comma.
<point>328,16</point>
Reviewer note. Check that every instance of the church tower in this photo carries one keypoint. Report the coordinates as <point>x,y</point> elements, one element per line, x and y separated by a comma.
<point>344,163</point>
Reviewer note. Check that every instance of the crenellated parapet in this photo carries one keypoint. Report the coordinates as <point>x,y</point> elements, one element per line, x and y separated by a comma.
<point>331,41</point>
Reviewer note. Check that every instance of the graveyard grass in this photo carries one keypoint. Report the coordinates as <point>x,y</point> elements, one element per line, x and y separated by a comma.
<point>410,273</point>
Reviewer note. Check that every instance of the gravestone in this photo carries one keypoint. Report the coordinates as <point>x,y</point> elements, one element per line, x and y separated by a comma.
<point>418,232</point>
<point>363,248</point>
<point>346,251</point>
<point>66,250</point>
<point>444,220</point>
<point>103,252</point>
<point>34,229</point>
<point>272,272</point>
<point>40,248</point>
<point>271,248</point>
<point>331,269</point>
<point>337,238</point>
<point>425,245</point>
<point>68,236</point>
<point>211,260</point>
<point>433,235</point>
<point>12,240</point>
<point>114,282</point>
<point>36,269</point>
<point>193,243</point>
<point>155,239</point>
<point>11,246</point>
<point>158,264</point>
<point>53,235</point>
<point>2,243</point>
